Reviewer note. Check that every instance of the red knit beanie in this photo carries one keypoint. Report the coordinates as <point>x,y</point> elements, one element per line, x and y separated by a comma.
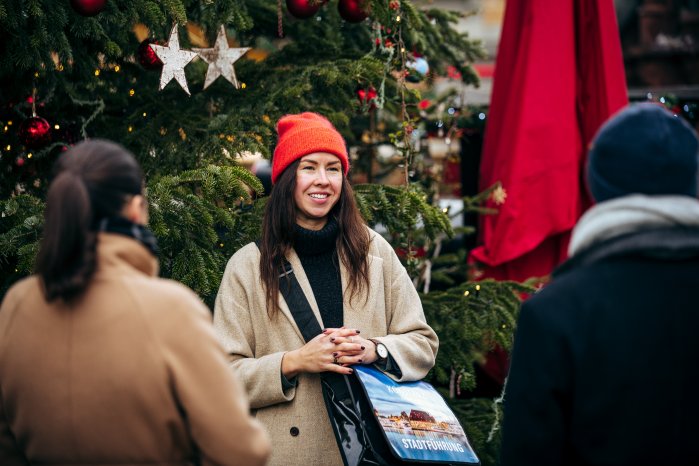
<point>305,134</point>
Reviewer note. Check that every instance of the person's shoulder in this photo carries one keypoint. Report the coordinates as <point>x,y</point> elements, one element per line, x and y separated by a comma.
<point>245,257</point>
<point>563,301</point>
<point>378,244</point>
<point>561,288</point>
<point>171,295</point>
<point>20,289</point>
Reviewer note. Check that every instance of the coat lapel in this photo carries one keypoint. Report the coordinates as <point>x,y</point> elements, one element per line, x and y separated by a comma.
<point>295,262</point>
<point>358,312</point>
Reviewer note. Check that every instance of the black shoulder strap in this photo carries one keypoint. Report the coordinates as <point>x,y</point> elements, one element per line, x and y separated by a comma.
<point>298,304</point>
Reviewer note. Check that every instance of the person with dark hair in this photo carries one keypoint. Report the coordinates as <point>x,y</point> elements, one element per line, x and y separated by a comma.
<point>602,368</point>
<point>357,288</point>
<point>100,361</point>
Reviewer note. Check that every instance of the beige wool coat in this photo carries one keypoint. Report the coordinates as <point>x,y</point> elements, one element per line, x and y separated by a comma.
<point>296,419</point>
<point>131,374</point>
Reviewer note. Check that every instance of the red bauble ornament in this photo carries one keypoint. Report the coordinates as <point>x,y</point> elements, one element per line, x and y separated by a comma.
<point>35,132</point>
<point>351,10</point>
<point>367,97</point>
<point>88,7</point>
<point>19,161</point>
<point>147,56</point>
<point>303,8</point>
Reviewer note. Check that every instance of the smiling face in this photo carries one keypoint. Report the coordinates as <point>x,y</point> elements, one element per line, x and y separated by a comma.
<point>318,188</point>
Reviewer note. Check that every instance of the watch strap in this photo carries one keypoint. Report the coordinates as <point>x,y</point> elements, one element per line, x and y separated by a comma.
<point>378,355</point>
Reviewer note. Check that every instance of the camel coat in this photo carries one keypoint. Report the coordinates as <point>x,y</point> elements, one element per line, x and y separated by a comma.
<point>296,419</point>
<point>130,374</point>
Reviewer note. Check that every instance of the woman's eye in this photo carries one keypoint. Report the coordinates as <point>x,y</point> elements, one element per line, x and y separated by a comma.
<point>334,169</point>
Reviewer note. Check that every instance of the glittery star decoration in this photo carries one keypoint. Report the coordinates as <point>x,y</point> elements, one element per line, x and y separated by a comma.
<point>499,195</point>
<point>174,60</point>
<point>221,59</point>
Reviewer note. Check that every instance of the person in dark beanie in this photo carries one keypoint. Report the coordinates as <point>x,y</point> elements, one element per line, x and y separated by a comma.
<point>603,365</point>
<point>363,303</point>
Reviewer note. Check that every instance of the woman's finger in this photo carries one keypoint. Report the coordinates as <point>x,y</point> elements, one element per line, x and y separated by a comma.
<point>341,332</point>
<point>338,366</point>
<point>340,369</point>
<point>350,360</point>
<point>337,340</point>
<point>349,348</point>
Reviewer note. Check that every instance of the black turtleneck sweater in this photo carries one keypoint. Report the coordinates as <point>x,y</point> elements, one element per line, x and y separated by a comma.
<point>318,254</point>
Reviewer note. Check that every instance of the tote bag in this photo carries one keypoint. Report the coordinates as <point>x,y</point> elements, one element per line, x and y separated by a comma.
<point>414,420</point>
<point>416,427</point>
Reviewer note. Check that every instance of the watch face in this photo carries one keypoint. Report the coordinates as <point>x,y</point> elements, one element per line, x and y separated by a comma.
<point>381,351</point>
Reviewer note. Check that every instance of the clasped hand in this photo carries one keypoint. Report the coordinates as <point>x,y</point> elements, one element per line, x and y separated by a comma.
<point>334,350</point>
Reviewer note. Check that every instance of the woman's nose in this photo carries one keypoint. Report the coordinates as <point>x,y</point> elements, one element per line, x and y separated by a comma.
<point>322,177</point>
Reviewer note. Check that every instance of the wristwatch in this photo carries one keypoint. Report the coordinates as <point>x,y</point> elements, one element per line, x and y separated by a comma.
<point>381,351</point>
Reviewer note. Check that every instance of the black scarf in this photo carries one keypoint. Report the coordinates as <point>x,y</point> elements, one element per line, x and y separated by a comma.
<point>122,226</point>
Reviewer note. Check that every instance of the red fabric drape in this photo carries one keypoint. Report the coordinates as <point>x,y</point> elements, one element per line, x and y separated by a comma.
<point>559,74</point>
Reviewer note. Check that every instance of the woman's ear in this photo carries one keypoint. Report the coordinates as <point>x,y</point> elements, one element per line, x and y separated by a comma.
<point>136,210</point>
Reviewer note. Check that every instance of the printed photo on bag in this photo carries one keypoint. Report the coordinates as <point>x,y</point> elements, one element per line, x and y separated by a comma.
<point>416,420</point>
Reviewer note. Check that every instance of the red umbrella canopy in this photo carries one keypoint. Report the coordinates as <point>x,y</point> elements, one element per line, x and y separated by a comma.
<point>559,74</point>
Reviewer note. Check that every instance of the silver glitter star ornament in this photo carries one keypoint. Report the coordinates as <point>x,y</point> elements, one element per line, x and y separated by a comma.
<point>174,60</point>
<point>221,59</point>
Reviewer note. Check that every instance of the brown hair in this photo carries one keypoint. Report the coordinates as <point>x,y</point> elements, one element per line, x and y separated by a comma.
<point>92,181</point>
<point>278,232</point>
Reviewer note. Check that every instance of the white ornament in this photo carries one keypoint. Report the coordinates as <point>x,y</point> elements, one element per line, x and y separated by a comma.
<point>174,60</point>
<point>221,59</point>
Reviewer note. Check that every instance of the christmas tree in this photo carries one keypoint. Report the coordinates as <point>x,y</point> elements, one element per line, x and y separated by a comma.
<point>193,88</point>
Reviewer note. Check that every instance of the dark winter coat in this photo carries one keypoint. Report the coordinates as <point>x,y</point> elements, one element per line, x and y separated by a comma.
<point>604,367</point>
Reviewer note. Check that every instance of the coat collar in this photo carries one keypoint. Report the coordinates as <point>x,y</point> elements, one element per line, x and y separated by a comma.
<point>353,317</point>
<point>676,243</point>
<point>116,252</point>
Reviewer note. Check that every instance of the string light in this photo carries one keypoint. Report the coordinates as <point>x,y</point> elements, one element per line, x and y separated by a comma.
<point>131,92</point>
<point>36,75</point>
<point>243,85</point>
<point>466,293</point>
<point>9,122</point>
<point>56,126</point>
<point>8,147</point>
<point>97,72</point>
<point>6,128</point>
<point>117,68</point>
<point>398,19</point>
<point>130,128</point>
<point>29,155</point>
<point>144,114</point>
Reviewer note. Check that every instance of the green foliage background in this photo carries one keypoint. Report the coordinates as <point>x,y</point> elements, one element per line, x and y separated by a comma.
<point>203,204</point>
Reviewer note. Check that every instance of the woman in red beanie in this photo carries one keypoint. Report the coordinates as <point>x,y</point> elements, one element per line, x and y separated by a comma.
<point>357,289</point>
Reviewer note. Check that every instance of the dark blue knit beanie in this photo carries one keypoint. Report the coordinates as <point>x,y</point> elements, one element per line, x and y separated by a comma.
<point>643,149</point>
